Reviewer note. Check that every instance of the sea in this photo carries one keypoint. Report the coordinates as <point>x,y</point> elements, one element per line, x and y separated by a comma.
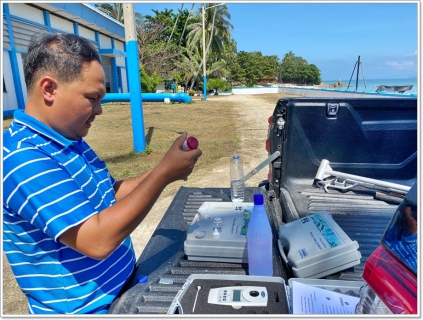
<point>372,84</point>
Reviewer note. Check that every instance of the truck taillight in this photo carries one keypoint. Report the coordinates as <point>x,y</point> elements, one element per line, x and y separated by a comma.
<point>270,119</point>
<point>392,281</point>
<point>268,145</point>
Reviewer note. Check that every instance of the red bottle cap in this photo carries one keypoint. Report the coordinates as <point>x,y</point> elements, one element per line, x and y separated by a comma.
<point>192,143</point>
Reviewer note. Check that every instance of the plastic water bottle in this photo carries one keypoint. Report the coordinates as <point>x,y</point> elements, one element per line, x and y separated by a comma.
<point>370,303</point>
<point>237,186</point>
<point>259,241</point>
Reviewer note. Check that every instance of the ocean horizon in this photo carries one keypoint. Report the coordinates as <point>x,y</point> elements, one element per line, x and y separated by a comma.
<point>372,84</point>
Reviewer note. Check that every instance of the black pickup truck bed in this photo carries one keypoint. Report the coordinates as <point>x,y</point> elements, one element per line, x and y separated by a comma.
<point>374,138</point>
<point>163,256</point>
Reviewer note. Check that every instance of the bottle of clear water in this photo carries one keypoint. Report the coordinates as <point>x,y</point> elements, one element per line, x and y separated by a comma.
<point>237,185</point>
<point>370,303</point>
<point>259,241</point>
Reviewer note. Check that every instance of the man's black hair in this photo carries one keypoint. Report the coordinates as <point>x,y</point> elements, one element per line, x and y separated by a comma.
<point>60,54</point>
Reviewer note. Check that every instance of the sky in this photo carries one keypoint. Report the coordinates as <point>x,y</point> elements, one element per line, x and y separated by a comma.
<point>331,35</point>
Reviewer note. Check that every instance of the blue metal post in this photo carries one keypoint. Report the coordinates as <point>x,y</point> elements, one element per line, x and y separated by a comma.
<point>205,86</point>
<point>138,130</point>
<point>75,28</point>
<point>47,22</point>
<point>204,56</point>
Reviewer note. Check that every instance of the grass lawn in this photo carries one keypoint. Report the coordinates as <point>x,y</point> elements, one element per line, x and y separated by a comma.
<point>112,138</point>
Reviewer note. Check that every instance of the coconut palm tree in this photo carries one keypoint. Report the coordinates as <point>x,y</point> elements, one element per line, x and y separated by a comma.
<point>216,18</point>
<point>174,26</point>
<point>191,62</point>
<point>114,10</point>
<point>217,31</point>
<point>185,25</point>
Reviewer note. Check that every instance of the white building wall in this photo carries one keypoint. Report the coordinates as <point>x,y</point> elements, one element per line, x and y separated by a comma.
<point>86,33</point>
<point>255,90</point>
<point>9,99</point>
<point>120,61</point>
<point>124,81</point>
<point>105,42</point>
<point>26,12</point>
<point>61,24</point>
<point>119,45</point>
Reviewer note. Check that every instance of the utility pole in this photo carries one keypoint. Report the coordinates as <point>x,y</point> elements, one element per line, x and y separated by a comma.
<point>204,49</point>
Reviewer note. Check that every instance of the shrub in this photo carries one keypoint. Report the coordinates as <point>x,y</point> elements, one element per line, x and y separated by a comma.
<point>218,85</point>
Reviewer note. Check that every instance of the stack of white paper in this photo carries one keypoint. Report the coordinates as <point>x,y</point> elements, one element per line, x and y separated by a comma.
<point>313,300</point>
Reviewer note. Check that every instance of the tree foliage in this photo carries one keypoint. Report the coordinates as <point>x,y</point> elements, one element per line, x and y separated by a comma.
<point>253,68</point>
<point>170,47</point>
<point>157,51</point>
<point>296,70</point>
<point>149,83</point>
<point>114,10</point>
<point>217,30</point>
<point>218,84</point>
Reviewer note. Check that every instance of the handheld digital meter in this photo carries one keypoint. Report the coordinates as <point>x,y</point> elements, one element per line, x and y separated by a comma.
<point>239,296</point>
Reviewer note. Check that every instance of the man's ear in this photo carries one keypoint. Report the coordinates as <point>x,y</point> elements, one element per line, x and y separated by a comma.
<point>48,87</point>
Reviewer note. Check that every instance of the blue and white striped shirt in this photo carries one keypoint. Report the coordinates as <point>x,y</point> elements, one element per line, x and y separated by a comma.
<point>51,184</point>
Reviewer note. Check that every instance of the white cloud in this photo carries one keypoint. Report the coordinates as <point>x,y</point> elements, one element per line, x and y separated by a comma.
<point>411,54</point>
<point>401,65</point>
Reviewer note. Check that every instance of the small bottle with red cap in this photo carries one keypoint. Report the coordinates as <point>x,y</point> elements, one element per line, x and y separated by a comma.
<point>190,143</point>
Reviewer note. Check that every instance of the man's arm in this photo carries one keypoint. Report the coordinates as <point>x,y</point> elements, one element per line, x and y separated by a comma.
<point>124,187</point>
<point>98,236</point>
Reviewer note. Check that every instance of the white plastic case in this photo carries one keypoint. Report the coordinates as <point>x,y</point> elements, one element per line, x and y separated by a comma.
<point>218,232</point>
<point>315,246</point>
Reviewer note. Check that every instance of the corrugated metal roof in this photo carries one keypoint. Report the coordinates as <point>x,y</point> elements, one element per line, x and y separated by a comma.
<point>86,15</point>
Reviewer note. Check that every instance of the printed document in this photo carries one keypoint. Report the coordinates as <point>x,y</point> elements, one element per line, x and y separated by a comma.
<point>308,299</point>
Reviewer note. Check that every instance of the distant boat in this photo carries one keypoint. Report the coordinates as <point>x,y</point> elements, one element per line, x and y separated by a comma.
<point>400,89</point>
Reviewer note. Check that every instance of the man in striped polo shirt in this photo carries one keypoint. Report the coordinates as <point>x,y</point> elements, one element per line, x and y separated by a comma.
<point>66,220</point>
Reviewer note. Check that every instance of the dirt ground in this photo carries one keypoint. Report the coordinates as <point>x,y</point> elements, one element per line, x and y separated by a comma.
<point>253,113</point>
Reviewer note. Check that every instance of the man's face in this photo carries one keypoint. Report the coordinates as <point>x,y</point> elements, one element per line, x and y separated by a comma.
<point>77,103</point>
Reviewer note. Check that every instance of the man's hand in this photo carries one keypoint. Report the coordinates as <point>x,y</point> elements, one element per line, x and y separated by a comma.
<point>178,164</point>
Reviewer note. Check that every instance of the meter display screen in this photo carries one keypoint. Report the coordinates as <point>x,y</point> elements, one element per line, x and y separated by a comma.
<point>236,295</point>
